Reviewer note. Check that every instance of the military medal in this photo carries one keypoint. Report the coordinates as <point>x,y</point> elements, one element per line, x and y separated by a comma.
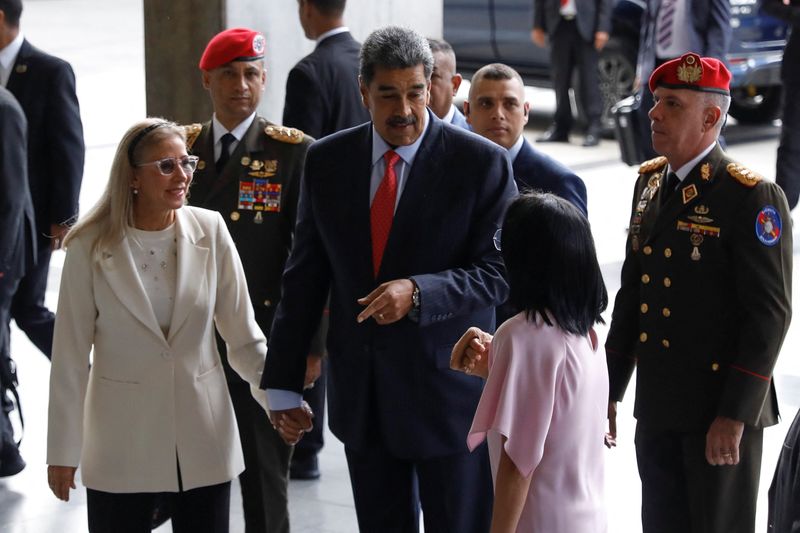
<point>258,219</point>
<point>689,193</point>
<point>246,195</point>
<point>769,226</point>
<point>696,239</point>
<point>705,171</point>
<point>245,161</point>
<point>272,202</point>
<point>701,209</point>
<point>255,165</point>
<point>635,243</point>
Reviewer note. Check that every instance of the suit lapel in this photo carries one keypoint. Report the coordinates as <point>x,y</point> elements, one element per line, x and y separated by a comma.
<point>191,279</point>
<point>120,272</point>
<point>18,79</point>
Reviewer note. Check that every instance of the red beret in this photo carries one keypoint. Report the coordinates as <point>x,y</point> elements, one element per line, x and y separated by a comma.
<point>690,71</point>
<point>235,44</point>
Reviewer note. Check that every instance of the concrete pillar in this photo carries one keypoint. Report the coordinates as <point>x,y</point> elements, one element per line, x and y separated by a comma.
<point>177,31</point>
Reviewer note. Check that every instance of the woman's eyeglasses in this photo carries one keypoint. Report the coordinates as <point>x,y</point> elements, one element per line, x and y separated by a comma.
<point>168,165</point>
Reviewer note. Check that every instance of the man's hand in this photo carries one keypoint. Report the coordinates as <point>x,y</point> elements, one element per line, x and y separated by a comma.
<point>57,233</point>
<point>471,353</point>
<point>61,479</point>
<point>600,40</point>
<point>292,424</point>
<point>722,441</point>
<point>611,437</point>
<point>313,370</point>
<point>390,302</point>
<point>538,37</point>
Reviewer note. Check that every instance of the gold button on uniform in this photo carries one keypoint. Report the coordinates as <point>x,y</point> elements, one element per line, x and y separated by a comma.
<point>666,312</point>
<point>644,308</point>
<point>643,337</point>
<point>235,215</point>
<point>647,250</point>
<point>645,278</point>
<point>267,303</point>
<point>667,252</point>
<point>714,367</point>
<point>665,343</point>
<point>667,282</point>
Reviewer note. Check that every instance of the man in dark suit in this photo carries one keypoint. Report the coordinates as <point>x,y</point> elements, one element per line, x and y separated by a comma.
<point>702,311</point>
<point>578,30</point>
<point>250,171</point>
<point>396,219</point>
<point>445,82</point>
<point>670,28</point>
<point>322,89</point>
<point>17,254</point>
<point>322,97</point>
<point>787,173</point>
<point>497,110</point>
<point>45,88</point>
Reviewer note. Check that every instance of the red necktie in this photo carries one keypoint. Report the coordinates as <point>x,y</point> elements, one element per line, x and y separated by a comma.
<point>382,210</point>
<point>564,3</point>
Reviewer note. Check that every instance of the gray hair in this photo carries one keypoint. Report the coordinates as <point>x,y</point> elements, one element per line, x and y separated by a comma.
<point>723,102</point>
<point>394,48</point>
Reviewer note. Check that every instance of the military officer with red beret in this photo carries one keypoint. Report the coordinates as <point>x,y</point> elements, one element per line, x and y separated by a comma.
<point>704,306</point>
<point>250,171</point>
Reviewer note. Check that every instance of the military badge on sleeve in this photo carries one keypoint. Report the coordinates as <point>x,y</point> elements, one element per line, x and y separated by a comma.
<point>768,226</point>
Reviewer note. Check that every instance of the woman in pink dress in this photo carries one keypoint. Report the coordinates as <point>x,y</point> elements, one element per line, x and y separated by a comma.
<point>543,409</point>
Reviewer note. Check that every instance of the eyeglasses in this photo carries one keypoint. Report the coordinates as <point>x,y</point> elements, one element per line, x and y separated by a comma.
<point>497,238</point>
<point>169,165</point>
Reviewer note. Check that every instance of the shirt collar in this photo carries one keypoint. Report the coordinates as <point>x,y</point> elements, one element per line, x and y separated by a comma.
<point>406,153</point>
<point>9,54</point>
<point>331,33</point>
<point>685,169</point>
<point>450,114</point>
<point>219,130</point>
<point>513,152</point>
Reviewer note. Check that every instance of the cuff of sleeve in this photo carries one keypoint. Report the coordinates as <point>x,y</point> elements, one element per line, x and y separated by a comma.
<point>280,400</point>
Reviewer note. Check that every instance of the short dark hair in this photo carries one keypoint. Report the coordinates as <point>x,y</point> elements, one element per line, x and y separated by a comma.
<point>329,8</point>
<point>551,263</point>
<point>12,10</point>
<point>497,71</point>
<point>395,48</point>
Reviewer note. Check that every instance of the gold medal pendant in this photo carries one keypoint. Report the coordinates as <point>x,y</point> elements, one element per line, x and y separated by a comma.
<point>258,219</point>
<point>696,239</point>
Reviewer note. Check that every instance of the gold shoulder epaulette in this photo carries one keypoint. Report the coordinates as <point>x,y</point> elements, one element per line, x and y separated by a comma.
<point>743,175</point>
<point>284,134</point>
<point>652,164</point>
<point>192,132</point>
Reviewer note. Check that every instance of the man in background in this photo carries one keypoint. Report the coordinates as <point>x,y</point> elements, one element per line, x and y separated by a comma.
<point>445,82</point>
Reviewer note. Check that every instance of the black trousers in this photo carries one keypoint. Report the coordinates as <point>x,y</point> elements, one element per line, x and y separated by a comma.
<point>569,51</point>
<point>682,493</point>
<point>455,491</point>
<point>27,307</point>
<point>200,510</point>
<point>787,173</point>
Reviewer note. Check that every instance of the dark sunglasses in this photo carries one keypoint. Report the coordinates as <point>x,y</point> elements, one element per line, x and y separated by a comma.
<point>168,165</point>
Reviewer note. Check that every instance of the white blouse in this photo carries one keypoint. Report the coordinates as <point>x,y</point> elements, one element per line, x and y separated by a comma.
<point>155,255</point>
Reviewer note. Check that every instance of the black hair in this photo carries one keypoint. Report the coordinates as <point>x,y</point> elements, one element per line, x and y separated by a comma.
<point>12,10</point>
<point>329,8</point>
<point>551,263</point>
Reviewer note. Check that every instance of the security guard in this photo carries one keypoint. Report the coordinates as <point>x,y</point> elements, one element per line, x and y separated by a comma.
<point>250,171</point>
<point>703,308</point>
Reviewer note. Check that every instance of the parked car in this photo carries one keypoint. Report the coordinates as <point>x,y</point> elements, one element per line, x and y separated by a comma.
<point>487,31</point>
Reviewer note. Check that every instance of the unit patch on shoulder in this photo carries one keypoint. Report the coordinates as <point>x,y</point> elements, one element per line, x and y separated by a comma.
<point>743,175</point>
<point>652,164</point>
<point>768,226</point>
<point>284,134</point>
<point>192,132</point>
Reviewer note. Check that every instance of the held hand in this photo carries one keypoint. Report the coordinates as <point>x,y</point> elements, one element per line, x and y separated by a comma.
<point>61,479</point>
<point>471,353</point>
<point>313,370</point>
<point>57,233</point>
<point>292,424</point>
<point>600,40</point>
<point>390,302</point>
<point>538,37</point>
<point>722,441</point>
<point>611,437</point>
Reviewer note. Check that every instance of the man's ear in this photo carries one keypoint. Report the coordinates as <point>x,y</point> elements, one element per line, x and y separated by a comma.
<point>456,81</point>
<point>206,79</point>
<point>466,112</point>
<point>364,90</point>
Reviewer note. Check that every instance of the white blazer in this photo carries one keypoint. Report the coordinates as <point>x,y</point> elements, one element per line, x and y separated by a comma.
<point>148,400</point>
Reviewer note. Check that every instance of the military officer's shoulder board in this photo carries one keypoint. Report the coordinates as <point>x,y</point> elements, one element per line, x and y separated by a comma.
<point>192,132</point>
<point>743,175</point>
<point>652,164</point>
<point>284,134</point>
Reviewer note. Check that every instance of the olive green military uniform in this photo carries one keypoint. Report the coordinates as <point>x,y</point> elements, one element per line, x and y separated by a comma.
<point>256,193</point>
<point>704,306</point>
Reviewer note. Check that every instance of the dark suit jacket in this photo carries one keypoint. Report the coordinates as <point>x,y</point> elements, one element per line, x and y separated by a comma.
<point>537,171</point>
<point>45,88</point>
<point>710,32</point>
<point>17,237</point>
<point>322,95</point>
<point>704,303</point>
<point>791,54</point>
<point>592,16</point>
<point>394,380</point>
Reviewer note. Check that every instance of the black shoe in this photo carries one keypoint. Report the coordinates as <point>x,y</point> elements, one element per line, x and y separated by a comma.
<point>591,139</point>
<point>11,461</point>
<point>305,469</point>
<point>553,135</point>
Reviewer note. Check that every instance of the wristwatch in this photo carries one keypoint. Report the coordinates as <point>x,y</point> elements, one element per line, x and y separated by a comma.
<point>413,314</point>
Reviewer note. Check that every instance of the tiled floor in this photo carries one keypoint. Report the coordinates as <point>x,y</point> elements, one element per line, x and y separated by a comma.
<point>108,61</point>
